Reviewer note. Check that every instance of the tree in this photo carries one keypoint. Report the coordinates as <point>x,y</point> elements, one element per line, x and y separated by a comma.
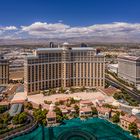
<point>47,102</point>
<point>109,106</point>
<point>53,91</point>
<point>5,117</point>
<point>2,108</point>
<point>118,96</point>
<point>65,117</point>
<point>29,106</point>
<point>15,119</point>
<point>94,111</point>
<point>72,101</point>
<point>59,118</point>
<point>72,90</point>
<point>76,107</point>
<point>20,118</point>
<point>83,88</point>
<point>122,113</point>
<point>40,115</point>
<point>59,115</point>
<point>116,118</point>
<point>62,90</point>
<point>133,128</point>
<point>58,111</point>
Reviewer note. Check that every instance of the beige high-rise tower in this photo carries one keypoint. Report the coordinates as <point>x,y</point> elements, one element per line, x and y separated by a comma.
<point>4,71</point>
<point>63,67</point>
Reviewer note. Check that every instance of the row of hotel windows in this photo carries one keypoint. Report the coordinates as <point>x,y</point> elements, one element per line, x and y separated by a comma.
<point>41,72</point>
<point>4,71</point>
<point>53,71</point>
<point>74,56</point>
<point>58,83</point>
<point>79,59</point>
<point>60,54</point>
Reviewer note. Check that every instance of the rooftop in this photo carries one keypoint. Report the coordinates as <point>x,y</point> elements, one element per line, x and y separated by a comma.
<point>86,102</point>
<point>15,109</point>
<point>51,114</point>
<point>103,109</point>
<point>110,90</point>
<point>128,57</point>
<point>63,48</point>
<point>85,109</point>
<point>129,118</point>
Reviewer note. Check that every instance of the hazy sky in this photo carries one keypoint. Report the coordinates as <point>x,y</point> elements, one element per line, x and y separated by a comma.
<point>48,18</point>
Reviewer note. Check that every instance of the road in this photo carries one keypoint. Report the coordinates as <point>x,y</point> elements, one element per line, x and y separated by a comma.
<point>133,94</point>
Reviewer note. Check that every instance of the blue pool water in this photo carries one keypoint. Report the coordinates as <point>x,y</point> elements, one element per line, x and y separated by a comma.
<point>75,129</point>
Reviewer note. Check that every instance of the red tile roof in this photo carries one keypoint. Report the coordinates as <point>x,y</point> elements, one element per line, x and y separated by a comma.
<point>100,98</point>
<point>51,114</point>
<point>17,101</point>
<point>103,109</point>
<point>132,58</point>
<point>86,102</point>
<point>64,99</point>
<point>4,103</point>
<point>128,118</point>
<point>110,91</point>
<point>85,109</point>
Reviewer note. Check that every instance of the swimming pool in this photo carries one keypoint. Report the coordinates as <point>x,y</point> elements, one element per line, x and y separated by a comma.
<point>75,129</point>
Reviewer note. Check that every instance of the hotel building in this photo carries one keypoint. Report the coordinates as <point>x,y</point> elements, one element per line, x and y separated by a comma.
<point>4,71</point>
<point>63,67</point>
<point>129,69</point>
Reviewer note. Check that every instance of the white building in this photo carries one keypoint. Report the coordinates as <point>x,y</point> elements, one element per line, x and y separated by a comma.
<point>129,69</point>
<point>113,68</point>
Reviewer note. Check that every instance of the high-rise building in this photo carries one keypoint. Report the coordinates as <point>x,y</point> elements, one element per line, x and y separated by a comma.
<point>129,69</point>
<point>84,45</point>
<point>4,71</point>
<point>63,67</point>
<point>52,45</point>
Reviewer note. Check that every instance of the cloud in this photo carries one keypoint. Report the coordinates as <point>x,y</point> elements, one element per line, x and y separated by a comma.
<point>39,29</point>
<point>8,28</point>
<point>61,30</point>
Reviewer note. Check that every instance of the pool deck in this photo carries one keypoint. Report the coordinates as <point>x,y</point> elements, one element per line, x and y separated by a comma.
<point>39,98</point>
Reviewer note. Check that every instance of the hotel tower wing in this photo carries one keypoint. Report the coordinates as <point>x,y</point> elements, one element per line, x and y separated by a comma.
<point>63,67</point>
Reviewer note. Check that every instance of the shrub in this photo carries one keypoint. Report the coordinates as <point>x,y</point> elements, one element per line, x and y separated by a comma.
<point>47,102</point>
<point>3,108</point>
<point>20,118</point>
<point>94,111</point>
<point>116,118</point>
<point>40,116</point>
<point>133,128</point>
<point>29,106</point>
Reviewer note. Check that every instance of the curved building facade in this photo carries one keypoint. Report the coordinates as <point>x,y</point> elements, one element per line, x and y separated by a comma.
<point>63,67</point>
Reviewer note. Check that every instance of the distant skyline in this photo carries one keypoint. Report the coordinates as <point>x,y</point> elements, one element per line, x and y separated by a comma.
<point>68,18</point>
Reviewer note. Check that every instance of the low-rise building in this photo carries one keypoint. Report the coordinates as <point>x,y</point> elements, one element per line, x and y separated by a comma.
<point>85,112</point>
<point>104,112</point>
<point>65,111</point>
<point>126,120</point>
<point>99,101</point>
<point>110,91</point>
<point>113,68</point>
<point>51,118</point>
<point>85,103</point>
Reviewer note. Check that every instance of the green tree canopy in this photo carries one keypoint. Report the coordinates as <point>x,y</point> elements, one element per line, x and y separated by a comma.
<point>133,128</point>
